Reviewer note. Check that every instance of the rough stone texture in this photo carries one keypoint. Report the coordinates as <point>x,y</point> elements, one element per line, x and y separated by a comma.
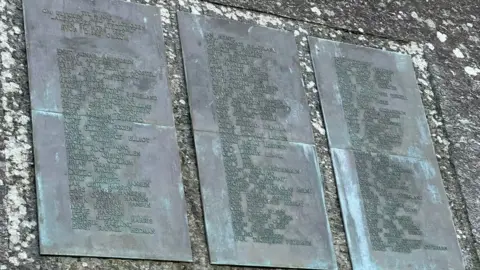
<point>400,20</point>
<point>454,70</point>
<point>442,37</point>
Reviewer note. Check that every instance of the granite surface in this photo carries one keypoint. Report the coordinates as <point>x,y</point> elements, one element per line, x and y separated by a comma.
<point>441,36</point>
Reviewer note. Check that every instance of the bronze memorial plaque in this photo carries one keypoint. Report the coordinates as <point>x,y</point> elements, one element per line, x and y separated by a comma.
<point>394,205</point>
<point>261,186</point>
<point>106,156</point>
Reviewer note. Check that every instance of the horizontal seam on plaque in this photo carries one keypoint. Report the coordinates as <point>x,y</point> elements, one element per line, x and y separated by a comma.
<point>140,123</point>
<point>209,131</point>
<point>380,153</point>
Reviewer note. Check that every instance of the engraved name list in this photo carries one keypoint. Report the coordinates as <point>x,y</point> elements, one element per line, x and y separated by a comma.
<point>107,163</point>
<point>253,133</point>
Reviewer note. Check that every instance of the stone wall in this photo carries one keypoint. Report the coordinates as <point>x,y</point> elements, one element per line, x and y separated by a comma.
<point>441,36</point>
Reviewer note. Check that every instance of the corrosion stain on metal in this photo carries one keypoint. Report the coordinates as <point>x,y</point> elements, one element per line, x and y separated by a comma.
<point>260,181</point>
<point>393,201</point>
<point>106,160</point>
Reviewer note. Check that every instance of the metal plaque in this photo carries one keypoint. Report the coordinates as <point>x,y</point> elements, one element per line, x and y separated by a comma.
<point>394,205</point>
<point>106,159</point>
<point>261,186</point>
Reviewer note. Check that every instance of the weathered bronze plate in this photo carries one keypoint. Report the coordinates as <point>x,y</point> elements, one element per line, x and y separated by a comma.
<point>393,201</point>
<point>370,99</point>
<point>106,159</point>
<point>261,185</point>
